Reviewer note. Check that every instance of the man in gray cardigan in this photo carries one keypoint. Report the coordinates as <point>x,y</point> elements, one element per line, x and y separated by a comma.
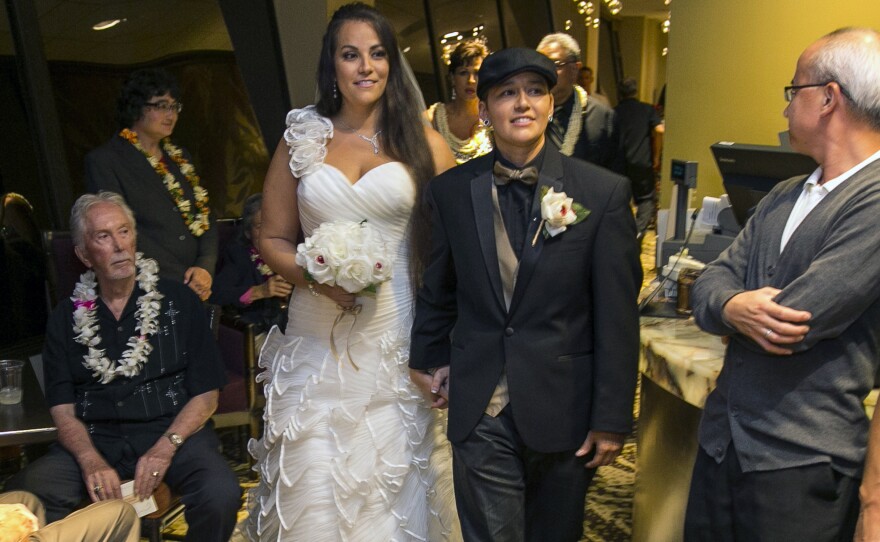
<point>784,434</point>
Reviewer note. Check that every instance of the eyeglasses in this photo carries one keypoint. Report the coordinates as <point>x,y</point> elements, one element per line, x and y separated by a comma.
<point>165,107</point>
<point>563,63</point>
<point>791,90</point>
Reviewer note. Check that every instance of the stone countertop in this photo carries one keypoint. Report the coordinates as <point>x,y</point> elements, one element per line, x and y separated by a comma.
<point>685,361</point>
<point>680,358</point>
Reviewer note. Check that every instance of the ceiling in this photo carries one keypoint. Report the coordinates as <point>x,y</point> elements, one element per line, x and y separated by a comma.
<point>152,29</point>
<point>158,28</point>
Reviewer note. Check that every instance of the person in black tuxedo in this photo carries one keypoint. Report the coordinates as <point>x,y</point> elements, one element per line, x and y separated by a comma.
<point>531,340</point>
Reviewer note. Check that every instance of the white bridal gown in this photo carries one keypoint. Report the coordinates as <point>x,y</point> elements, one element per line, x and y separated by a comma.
<point>349,455</point>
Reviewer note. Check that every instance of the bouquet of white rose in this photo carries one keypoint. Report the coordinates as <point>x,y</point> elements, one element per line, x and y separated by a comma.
<point>351,255</point>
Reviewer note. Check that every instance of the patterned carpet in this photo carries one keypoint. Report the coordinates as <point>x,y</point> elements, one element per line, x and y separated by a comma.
<point>608,517</point>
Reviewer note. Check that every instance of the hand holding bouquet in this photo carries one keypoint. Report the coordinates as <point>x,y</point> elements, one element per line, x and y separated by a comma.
<point>351,255</point>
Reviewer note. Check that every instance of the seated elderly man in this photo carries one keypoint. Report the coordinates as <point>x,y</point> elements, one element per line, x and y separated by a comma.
<point>132,378</point>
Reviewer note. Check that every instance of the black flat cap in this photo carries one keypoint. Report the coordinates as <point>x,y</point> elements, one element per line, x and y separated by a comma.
<point>500,65</point>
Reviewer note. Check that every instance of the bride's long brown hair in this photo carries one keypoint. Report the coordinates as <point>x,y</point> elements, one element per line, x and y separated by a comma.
<point>400,117</point>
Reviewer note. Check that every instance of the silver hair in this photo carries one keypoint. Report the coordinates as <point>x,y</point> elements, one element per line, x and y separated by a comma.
<point>851,57</point>
<point>82,206</point>
<point>568,44</point>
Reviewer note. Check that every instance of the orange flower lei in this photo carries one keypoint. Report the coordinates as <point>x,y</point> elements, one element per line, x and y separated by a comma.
<point>197,222</point>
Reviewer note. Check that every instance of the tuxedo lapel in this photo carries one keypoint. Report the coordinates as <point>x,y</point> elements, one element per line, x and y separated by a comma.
<point>481,197</point>
<point>550,177</point>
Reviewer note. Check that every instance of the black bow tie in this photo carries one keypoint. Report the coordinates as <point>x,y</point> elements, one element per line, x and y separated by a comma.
<point>504,174</point>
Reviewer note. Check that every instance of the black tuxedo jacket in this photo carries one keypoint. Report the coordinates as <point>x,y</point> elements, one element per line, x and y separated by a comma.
<point>569,343</point>
<point>119,167</point>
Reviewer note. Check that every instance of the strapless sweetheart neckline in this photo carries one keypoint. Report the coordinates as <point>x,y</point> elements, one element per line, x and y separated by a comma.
<point>348,180</point>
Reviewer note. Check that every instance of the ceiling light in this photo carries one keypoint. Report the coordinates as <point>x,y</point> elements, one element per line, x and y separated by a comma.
<point>109,23</point>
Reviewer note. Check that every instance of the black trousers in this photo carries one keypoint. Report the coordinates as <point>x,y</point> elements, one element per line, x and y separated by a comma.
<point>813,503</point>
<point>506,492</point>
<point>198,473</point>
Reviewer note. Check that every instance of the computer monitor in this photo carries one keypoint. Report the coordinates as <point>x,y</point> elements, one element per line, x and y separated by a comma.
<point>751,171</point>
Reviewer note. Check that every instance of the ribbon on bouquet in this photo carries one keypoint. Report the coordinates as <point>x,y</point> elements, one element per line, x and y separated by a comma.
<point>354,311</point>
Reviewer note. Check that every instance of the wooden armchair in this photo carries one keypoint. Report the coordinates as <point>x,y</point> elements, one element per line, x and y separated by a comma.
<point>237,404</point>
<point>63,267</point>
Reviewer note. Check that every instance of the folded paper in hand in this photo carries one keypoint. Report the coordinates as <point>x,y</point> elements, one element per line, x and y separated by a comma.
<point>144,507</point>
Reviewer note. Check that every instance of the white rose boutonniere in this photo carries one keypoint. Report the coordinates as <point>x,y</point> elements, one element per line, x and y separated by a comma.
<point>558,212</point>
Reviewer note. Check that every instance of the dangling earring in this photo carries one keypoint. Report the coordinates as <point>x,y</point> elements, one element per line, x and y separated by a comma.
<point>453,93</point>
<point>335,91</point>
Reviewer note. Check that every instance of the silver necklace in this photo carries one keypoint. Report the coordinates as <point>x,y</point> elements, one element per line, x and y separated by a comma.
<point>374,141</point>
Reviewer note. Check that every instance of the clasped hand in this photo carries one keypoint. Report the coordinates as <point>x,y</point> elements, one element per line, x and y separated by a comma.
<point>435,388</point>
<point>772,326</point>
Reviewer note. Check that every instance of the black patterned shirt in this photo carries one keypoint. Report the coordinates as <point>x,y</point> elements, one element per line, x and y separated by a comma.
<point>185,362</point>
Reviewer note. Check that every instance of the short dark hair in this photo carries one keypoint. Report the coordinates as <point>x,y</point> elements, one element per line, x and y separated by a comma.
<point>466,53</point>
<point>627,88</point>
<point>140,87</point>
<point>251,205</point>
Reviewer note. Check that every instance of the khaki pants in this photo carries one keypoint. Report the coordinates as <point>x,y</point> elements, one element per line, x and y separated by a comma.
<point>105,521</point>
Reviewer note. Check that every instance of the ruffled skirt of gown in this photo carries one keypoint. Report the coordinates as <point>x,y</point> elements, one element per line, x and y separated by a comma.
<point>348,455</point>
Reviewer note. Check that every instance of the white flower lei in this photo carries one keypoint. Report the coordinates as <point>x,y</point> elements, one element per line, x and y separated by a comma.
<point>87,329</point>
<point>464,149</point>
<point>575,121</point>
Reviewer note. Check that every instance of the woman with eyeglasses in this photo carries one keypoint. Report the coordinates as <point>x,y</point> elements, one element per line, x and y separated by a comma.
<point>458,120</point>
<point>158,181</point>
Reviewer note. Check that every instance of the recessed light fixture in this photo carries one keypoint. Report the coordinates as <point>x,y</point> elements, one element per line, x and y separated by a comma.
<point>109,23</point>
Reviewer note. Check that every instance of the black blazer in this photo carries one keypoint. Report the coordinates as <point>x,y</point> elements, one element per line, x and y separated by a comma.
<point>570,341</point>
<point>119,167</point>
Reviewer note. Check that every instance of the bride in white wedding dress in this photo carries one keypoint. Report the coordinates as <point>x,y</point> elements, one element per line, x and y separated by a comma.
<point>351,453</point>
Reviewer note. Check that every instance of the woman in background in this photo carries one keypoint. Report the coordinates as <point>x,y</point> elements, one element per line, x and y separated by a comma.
<point>245,285</point>
<point>158,181</point>
<point>351,452</point>
<point>458,120</point>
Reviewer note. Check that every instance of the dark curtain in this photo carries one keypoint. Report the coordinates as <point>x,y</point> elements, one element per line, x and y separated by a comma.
<point>217,125</point>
